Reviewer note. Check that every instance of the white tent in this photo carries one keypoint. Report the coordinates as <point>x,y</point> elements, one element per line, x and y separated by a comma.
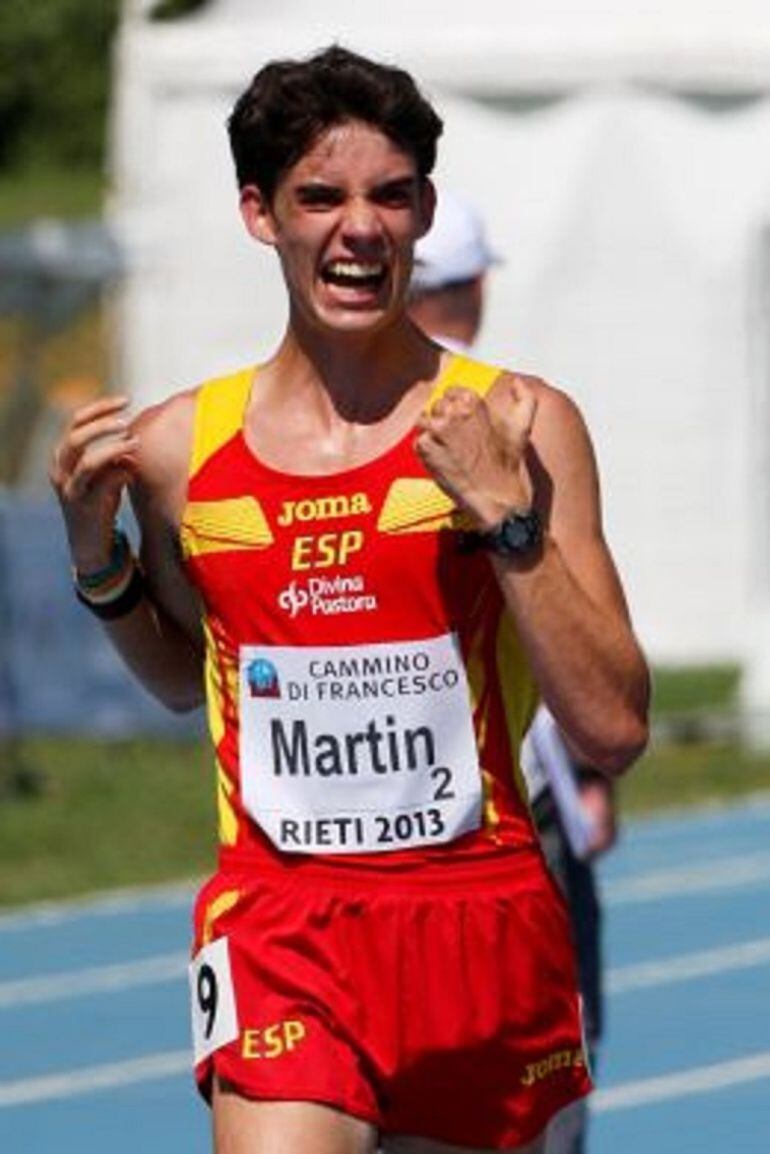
<point>621,154</point>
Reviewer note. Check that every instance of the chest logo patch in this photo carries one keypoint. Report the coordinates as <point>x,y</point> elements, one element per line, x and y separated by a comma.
<point>224,526</point>
<point>417,505</point>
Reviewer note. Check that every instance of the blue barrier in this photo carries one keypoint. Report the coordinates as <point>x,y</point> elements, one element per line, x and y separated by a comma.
<point>58,672</point>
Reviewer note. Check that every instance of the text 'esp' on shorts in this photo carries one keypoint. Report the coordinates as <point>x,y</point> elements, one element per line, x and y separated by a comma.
<point>441,1003</point>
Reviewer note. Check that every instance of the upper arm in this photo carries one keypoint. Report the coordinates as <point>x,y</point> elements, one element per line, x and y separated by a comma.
<point>563,467</point>
<point>158,495</point>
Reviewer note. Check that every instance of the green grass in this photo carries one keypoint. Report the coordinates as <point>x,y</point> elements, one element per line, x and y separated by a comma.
<point>695,688</point>
<point>45,191</point>
<point>677,776</point>
<point>123,814</point>
<point>108,815</point>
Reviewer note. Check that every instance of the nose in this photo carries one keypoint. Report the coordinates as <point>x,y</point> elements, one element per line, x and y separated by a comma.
<point>361,223</point>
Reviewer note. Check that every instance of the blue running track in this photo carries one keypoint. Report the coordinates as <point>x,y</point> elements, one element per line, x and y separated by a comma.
<point>94,1040</point>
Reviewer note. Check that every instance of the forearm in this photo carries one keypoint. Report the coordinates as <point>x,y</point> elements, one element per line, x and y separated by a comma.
<point>157,649</point>
<point>588,665</point>
<point>160,655</point>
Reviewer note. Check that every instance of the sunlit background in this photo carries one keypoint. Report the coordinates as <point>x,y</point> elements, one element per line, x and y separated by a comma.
<point>620,155</point>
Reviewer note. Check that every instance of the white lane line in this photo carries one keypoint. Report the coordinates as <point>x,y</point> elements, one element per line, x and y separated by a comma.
<point>713,876</point>
<point>140,899</point>
<point>172,967</point>
<point>686,967</point>
<point>72,1083</point>
<point>95,980</point>
<point>686,1083</point>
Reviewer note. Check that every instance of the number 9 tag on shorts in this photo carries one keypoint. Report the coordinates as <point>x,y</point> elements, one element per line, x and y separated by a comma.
<point>214,1017</point>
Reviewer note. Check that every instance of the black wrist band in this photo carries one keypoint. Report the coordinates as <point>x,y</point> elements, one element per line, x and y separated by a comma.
<point>122,605</point>
<point>120,551</point>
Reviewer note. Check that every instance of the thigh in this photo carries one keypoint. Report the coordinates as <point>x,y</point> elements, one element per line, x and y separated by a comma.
<point>566,1131</point>
<point>244,1126</point>
<point>403,1144</point>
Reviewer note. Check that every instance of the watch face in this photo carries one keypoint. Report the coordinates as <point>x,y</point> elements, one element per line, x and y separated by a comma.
<point>516,535</point>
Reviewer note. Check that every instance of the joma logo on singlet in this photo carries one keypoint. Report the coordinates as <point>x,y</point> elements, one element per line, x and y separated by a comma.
<point>323,508</point>
<point>558,1060</point>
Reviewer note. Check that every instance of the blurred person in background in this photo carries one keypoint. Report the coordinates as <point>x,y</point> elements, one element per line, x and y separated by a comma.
<point>572,803</point>
<point>348,539</point>
<point>446,297</point>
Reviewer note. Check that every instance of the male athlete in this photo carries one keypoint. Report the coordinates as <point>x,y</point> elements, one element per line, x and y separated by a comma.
<point>354,546</point>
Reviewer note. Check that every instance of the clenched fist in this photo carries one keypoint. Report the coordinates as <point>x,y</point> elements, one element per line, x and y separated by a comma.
<point>475,448</point>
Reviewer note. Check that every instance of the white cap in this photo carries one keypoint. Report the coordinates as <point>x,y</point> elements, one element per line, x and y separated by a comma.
<point>455,249</point>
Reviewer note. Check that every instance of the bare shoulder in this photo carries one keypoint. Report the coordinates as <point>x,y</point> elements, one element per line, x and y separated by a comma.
<point>165,433</point>
<point>558,421</point>
<point>553,404</point>
<point>165,436</point>
<point>560,455</point>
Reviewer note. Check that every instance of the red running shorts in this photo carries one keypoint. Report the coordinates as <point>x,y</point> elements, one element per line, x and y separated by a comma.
<point>440,1003</point>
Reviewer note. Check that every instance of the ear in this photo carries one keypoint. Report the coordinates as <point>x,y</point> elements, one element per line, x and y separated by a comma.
<point>427,206</point>
<point>257,214</point>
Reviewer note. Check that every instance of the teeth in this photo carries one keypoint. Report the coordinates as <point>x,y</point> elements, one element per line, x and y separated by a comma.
<point>354,269</point>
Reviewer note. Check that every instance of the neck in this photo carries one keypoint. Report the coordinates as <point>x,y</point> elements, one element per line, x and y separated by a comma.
<point>354,377</point>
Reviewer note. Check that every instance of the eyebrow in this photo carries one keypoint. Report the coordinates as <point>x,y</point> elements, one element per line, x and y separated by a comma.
<point>398,184</point>
<point>316,187</point>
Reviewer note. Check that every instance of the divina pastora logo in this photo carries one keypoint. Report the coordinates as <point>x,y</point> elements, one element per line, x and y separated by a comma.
<point>327,596</point>
<point>262,678</point>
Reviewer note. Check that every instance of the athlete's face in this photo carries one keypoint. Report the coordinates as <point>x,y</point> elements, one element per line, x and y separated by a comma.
<point>344,220</point>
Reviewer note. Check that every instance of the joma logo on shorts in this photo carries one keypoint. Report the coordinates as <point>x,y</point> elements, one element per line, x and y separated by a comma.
<point>323,508</point>
<point>272,1041</point>
<point>559,1060</point>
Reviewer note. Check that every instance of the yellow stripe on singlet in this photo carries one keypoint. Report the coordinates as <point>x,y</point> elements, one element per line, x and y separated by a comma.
<point>227,822</point>
<point>222,904</point>
<point>464,372</point>
<point>219,409</point>
<point>513,669</point>
<point>237,523</point>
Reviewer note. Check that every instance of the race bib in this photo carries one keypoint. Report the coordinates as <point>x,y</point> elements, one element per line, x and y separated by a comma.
<point>350,749</point>
<point>214,1017</point>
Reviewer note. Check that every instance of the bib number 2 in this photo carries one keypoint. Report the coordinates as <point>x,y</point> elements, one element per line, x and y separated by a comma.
<point>214,1017</point>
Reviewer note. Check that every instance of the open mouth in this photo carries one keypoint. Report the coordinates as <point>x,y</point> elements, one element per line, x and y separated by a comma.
<point>354,274</point>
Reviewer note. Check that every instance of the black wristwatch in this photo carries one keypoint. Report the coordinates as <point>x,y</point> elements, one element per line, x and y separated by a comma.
<point>517,535</point>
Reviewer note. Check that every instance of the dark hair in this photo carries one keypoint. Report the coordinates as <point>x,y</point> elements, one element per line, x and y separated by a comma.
<point>290,103</point>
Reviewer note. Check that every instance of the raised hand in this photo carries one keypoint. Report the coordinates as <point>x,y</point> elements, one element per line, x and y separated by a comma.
<point>475,449</point>
<point>92,463</point>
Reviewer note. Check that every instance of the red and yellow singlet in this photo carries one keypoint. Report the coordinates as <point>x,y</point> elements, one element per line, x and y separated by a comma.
<point>367,693</point>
